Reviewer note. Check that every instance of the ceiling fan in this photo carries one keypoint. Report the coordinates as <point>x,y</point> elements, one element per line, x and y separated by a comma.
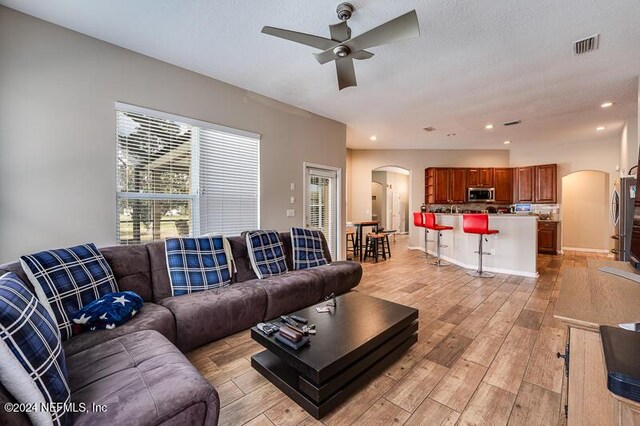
<point>343,49</point>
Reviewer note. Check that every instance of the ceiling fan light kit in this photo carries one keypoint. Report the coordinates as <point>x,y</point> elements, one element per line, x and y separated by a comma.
<point>343,49</point>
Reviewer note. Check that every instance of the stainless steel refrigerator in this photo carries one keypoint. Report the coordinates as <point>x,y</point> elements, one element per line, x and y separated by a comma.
<point>622,207</point>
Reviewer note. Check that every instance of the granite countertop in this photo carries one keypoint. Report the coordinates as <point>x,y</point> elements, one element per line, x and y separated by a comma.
<point>531,216</point>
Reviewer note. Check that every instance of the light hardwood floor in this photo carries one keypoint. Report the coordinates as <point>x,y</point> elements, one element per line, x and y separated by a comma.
<point>486,353</point>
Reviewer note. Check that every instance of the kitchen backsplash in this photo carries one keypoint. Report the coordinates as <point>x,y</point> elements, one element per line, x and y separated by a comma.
<point>552,210</point>
<point>469,206</point>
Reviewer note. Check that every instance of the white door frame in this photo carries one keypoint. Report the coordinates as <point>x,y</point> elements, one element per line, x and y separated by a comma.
<point>339,225</point>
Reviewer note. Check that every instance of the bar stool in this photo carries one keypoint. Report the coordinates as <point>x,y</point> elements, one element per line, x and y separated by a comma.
<point>431,225</point>
<point>419,222</point>
<point>351,238</point>
<point>375,244</point>
<point>478,224</point>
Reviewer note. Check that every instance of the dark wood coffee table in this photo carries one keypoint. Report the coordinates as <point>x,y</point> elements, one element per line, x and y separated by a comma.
<point>358,340</point>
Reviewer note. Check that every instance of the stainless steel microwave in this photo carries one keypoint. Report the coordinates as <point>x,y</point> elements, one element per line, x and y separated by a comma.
<point>481,195</point>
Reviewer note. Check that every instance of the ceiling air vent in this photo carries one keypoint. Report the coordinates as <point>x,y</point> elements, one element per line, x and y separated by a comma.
<point>512,123</point>
<point>429,129</point>
<point>586,45</point>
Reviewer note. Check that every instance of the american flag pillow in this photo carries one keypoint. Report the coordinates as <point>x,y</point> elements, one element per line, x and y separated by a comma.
<point>32,363</point>
<point>266,253</point>
<point>67,279</point>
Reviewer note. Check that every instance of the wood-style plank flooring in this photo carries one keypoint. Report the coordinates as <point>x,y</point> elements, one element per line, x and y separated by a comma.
<point>486,353</point>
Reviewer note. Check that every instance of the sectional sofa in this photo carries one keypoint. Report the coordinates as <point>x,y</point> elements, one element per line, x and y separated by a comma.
<point>138,370</point>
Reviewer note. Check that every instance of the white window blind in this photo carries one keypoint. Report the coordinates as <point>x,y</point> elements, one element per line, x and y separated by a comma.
<point>179,177</point>
<point>229,182</point>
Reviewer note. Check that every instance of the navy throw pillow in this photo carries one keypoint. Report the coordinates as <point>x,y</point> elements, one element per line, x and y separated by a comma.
<point>108,312</point>
<point>266,253</point>
<point>65,280</point>
<point>307,248</point>
<point>32,362</point>
<point>197,264</point>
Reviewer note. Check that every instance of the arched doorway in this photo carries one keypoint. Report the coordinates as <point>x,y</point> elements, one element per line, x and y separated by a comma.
<point>390,197</point>
<point>585,211</point>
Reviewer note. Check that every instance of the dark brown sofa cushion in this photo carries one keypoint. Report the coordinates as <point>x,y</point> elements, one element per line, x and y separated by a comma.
<point>338,277</point>
<point>131,268</point>
<point>143,380</point>
<point>212,314</point>
<point>291,291</point>
<point>150,317</point>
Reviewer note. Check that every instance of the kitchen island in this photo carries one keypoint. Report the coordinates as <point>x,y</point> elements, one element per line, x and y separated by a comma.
<point>514,250</point>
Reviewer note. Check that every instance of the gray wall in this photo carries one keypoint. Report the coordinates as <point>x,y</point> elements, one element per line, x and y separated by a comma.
<point>57,133</point>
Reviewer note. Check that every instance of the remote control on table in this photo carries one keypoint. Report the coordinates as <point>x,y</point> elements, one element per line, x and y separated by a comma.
<point>288,320</point>
<point>299,319</point>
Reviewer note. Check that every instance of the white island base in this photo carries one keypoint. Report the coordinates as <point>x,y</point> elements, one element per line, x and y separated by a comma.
<point>513,251</point>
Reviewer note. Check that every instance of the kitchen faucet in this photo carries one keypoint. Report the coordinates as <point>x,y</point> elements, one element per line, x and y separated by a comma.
<point>453,206</point>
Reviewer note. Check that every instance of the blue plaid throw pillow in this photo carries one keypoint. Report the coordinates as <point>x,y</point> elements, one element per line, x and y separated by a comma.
<point>197,264</point>
<point>307,248</point>
<point>66,280</point>
<point>32,363</point>
<point>266,253</point>
<point>108,312</point>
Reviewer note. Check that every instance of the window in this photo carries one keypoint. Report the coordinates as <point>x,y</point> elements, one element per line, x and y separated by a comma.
<point>179,177</point>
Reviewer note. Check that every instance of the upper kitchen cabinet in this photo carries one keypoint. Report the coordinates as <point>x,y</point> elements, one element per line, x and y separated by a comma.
<point>436,185</point>
<point>546,183</point>
<point>535,184</point>
<point>523,187</point>
<point>503,184</point>
<point>480,178</point>
<point>445,185</point>
<point>457,185</point>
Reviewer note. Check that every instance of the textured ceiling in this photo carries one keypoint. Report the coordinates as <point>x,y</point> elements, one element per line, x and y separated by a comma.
<point>476,62</point>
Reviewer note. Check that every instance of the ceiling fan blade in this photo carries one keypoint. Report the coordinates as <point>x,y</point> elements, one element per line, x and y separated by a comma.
<point>326,56</point>
<point>401,28</point>
<point>340,32</point>
<point>361,54</point>
<point>302,38</point>
<point>346,73</point>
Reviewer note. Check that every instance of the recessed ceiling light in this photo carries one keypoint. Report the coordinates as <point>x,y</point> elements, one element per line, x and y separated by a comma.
<point>373,138</point>
<point>506,142</point>
<point>606,104</point>
<point>601,128</point>
<point>489,126</point>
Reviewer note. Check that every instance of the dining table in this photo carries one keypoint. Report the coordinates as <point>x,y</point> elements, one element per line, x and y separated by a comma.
<point>359,240</point>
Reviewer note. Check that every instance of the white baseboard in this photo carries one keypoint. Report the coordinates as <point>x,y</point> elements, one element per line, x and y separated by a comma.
<point>488,269</point>
<point>585,250</point>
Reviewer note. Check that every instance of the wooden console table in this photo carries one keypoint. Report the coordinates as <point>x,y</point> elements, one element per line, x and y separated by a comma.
<point>589,298</point>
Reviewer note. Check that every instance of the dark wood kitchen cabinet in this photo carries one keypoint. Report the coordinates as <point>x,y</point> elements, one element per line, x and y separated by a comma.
<point>535,184</point>
<point>436,185</point>
<point>547,237</point>
<point>523,187</point>
<point>546,183</point>
<point>480,178</point>
<point>503,184</point>
<point>445,185</point>
<point>457,185</point>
